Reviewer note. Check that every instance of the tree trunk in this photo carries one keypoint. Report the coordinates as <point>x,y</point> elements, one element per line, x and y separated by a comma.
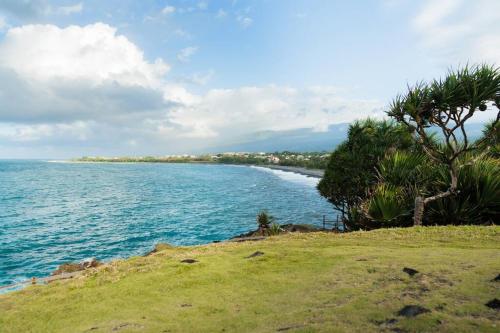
<point>419,210</point>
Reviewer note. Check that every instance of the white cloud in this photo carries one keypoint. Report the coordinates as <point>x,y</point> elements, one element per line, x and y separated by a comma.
<point>200,78</point>
<point>185,54</point>
<point>68,10</point>
<point>244,21</point>
<point>168,10</point>
<point>75,73</point>
<point>94,53</point>
<point>234,113</point>
<point>87,86</point>
<point>457,31</point>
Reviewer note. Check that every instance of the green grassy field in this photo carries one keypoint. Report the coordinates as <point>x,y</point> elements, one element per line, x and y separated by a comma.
<point>318,282</point>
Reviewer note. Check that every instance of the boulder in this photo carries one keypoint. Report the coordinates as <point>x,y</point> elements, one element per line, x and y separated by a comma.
<point>72,267</point>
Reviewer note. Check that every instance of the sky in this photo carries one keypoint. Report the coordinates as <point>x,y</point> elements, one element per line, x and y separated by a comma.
<point>157,77</point>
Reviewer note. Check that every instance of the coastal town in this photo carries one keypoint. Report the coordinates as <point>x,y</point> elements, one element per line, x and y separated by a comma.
<point>312,160</point>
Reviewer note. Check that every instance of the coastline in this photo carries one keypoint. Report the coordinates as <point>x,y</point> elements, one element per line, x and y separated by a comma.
<point>316,173</point>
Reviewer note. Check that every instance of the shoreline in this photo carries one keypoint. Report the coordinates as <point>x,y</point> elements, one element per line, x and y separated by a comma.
<point>315,173</point>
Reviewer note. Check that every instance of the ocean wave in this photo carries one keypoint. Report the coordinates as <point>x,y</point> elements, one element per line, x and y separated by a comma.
<point>291,176</point>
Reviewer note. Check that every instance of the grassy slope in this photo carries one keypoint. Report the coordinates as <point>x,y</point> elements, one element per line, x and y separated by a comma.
<point>303,283</point>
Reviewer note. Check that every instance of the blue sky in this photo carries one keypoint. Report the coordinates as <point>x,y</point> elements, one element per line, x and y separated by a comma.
<point>123,77</point>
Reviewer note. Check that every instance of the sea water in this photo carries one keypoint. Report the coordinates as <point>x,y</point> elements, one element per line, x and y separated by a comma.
<point>52,213</point>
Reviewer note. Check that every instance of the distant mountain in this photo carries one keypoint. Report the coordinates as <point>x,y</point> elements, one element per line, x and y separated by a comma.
<point>302,140</point>
<point>294,140</point>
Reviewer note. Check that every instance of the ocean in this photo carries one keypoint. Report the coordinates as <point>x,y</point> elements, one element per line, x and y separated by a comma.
<point>57,212</point>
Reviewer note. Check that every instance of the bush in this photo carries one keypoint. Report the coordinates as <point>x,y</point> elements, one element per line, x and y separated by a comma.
<point>402,175</point>
<point>264,220</point>
<point>274,229</point>
<point>351,170</point>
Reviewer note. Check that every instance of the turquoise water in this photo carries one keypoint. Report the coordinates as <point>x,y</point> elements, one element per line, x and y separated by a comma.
<point>51,213</point>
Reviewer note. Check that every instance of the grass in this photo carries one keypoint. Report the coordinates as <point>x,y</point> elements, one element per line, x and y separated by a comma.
<point>317,282</point>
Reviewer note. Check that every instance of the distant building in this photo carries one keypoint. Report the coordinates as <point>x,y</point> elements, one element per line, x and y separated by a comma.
<point>273,159</point>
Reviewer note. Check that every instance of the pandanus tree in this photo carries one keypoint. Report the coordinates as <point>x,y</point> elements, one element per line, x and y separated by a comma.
<point>351,169</point>
<point>445,106</point>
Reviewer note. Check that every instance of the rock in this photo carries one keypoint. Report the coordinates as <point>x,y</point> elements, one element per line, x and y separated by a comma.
<point>72,267</point>
<point>410,271</point>
<point>189,261</point>
<point>287,328</point>
<point>159,247</point>
<point>255,254</point>
<point>496,279</point>
<point>494,304</point>
<point>254,235</point>
<point>248,239</point>
<point>89,263</point>
<point>67,268</point>
<point>412,311</point>
<point>127,326</point>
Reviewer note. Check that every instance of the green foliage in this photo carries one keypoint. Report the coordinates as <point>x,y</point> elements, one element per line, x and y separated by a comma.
<point>274,229</point>
<point>491,138</point>
<point>351,170</point>
<point>403,175</point>
<point>264,220</point>
<point>478,197</point>
<point>447,105</point>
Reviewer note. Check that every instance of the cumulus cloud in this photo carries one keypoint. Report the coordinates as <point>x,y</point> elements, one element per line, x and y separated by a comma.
<point>236,113</point>
<point>460,31</point>
<point>90,89</point>
<point>75,73</point>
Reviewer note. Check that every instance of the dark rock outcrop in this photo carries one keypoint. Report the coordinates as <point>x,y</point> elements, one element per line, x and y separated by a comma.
<point>255,254</point>
<point>412,311</point>
<point>493,304</point>
<point>76,267</point>
<point>410,271</point>
<point>189,261</point>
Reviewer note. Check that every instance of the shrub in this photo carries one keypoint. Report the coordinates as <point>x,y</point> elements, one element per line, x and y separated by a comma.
<point>274,229</point>
<point>264,220</point>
